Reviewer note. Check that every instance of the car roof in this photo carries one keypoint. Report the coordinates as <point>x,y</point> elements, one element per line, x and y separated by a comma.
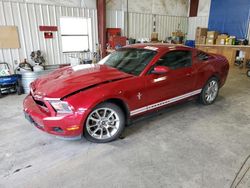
<point>159,46</point>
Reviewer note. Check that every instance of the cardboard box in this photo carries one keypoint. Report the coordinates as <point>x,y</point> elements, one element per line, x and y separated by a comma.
<point>154,36</point>
<point>220,41</point>
<point>212,34</point>
<point>201,40</point>
<point>201,32</point>
<point>178,33</point>
<point>223,36</point>
<point>210,41</point>
<point>197,38</point>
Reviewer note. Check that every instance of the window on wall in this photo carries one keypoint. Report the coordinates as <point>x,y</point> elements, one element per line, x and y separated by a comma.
<point>75,34</point>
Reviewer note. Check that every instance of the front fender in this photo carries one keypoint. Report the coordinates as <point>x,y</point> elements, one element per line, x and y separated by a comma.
<point>89,99</point>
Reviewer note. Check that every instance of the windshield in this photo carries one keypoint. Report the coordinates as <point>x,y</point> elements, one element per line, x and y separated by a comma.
<point>129,60</point>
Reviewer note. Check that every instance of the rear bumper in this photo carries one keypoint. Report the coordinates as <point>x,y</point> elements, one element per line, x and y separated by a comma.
<point>66,126</point>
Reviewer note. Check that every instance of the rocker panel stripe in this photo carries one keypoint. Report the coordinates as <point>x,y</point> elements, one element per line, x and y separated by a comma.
<point>165,102</point>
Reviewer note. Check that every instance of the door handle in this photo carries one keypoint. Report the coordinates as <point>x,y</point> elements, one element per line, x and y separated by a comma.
<point>189,74</point>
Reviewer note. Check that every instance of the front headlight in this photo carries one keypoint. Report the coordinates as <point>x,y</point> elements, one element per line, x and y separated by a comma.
<point>61,106</point>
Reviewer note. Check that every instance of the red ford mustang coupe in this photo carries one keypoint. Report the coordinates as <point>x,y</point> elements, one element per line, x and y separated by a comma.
<point>98,100</point>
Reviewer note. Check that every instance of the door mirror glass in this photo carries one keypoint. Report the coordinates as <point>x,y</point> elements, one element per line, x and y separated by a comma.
<point>160,70</point>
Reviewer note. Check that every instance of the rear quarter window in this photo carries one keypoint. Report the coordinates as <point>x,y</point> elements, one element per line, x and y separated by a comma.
<point>202,56</point>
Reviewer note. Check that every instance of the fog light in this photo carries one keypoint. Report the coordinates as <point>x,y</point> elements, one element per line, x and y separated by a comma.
<point>74,127</point>
<point>57,129</point>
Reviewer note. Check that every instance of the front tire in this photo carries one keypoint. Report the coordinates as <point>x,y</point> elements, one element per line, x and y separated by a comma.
<point>105,123</point>
<point>210,91</point>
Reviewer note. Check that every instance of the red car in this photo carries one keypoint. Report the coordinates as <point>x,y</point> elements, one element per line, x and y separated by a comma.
<point>98,100</point>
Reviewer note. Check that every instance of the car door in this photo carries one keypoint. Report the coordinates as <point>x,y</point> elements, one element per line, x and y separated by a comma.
<point>174,85</point>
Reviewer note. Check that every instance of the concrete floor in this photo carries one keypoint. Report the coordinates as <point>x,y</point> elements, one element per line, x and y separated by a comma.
<point>189,145</point>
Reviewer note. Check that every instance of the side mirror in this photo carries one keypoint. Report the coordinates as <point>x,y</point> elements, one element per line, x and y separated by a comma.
<point>160,70</point>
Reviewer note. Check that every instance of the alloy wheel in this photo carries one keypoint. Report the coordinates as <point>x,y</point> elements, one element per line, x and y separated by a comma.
<point>211,91</point>
<point>103,123</point>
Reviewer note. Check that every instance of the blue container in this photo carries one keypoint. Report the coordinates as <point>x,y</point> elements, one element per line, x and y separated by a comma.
<point>190,43</point>
<point>10,83</point>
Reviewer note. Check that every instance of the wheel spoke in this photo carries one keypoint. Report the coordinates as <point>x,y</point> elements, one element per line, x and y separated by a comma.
<point>108,133</point>
<point>113,126</point>
<point>113,120</point>
<point>90,126</point>
<point>101,134</point>
<point>94,119</point>
<point>99,116</point>
<point>208,97</point>
<point>94,132</point>
<point>110,115</point>
<point>104,113</point>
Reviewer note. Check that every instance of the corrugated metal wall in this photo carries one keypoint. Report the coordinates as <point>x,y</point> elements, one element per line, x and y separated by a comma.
<point>141,24</point>
<point>193,23</point>
<point>28,17</point>
<point>115,19</point>
<point>165,25</point>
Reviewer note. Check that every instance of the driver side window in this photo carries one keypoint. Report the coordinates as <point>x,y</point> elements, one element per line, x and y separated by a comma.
<point>176,59</point>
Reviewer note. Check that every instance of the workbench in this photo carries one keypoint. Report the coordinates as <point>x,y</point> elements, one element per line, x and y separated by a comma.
<point>229,51</point>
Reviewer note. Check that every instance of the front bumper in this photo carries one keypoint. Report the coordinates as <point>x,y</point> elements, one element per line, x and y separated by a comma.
<point>68,126</point>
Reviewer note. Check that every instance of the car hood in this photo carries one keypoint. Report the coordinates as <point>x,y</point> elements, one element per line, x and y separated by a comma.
<point>68,80</point>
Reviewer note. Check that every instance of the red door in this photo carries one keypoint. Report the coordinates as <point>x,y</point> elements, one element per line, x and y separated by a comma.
<point>175,85</point>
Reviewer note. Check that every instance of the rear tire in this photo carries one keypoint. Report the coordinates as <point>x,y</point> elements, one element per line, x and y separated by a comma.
<point>210,91</point>
<point>105,123</point>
